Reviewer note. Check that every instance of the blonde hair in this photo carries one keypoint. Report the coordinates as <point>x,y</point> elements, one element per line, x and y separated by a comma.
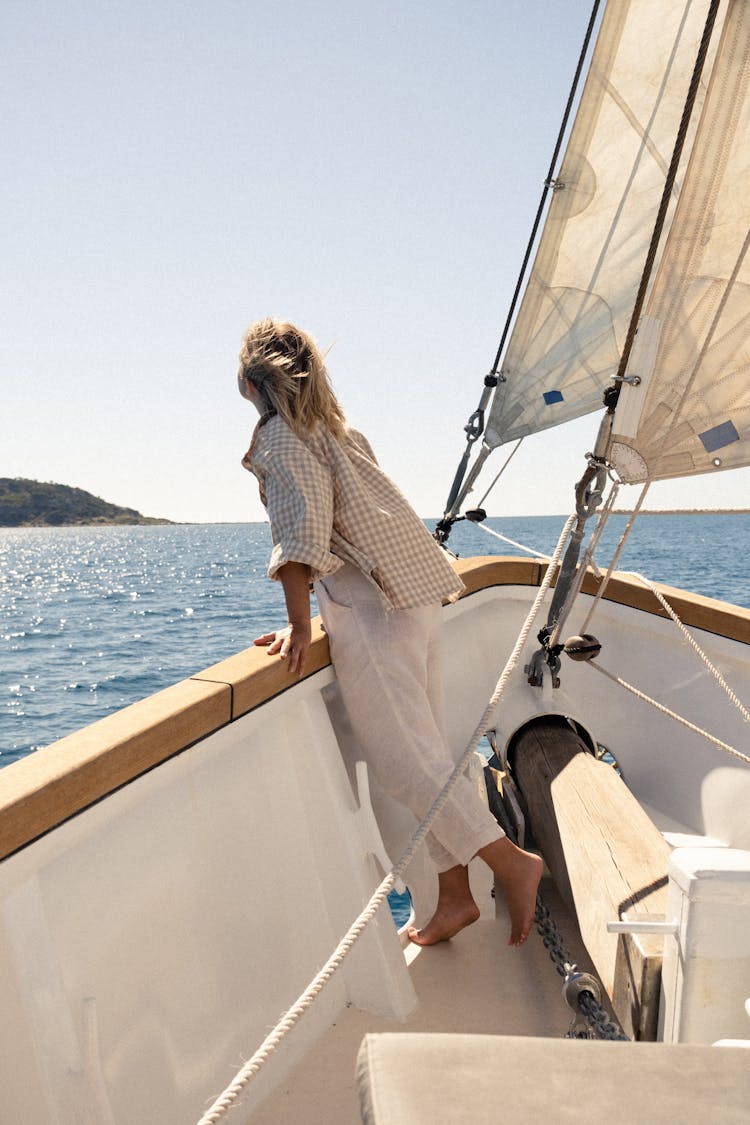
<point>286,367</point>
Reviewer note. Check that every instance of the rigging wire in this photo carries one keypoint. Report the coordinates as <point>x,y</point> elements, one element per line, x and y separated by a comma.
<point>475,425</point>
<point>507,461</point>
<point>670,714</point>
<point>587,563</point>
<point>694,645</point>
<point>548,183</point>
<point>615,557</point>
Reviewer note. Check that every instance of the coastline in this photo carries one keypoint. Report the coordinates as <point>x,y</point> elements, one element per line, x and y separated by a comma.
<point>156,521</point>
<point>683,512</point>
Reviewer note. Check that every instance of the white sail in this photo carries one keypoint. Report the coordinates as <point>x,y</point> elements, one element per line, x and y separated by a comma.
<point>690,413</point>
<point>572,322</point>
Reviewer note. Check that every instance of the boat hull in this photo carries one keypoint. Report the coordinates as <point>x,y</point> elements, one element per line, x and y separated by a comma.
<point>174,875</point>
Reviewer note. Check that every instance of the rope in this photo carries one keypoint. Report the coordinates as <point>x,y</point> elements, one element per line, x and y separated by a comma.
<point>685,632</point>
<point>671,714</point>
<point>616,557</point>
<point>505,539</point>
<point>695,646</point>
<point>272,1041</point>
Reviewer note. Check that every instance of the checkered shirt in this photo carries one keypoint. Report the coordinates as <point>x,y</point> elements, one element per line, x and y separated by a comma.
<point>329,502</point>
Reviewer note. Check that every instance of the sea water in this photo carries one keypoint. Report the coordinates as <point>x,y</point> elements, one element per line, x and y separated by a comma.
<point>95,618</point>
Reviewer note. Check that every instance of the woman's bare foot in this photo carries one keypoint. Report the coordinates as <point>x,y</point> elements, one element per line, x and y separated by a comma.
<point>444,925</point>
<point>518,873</point>
<point>455,910</point>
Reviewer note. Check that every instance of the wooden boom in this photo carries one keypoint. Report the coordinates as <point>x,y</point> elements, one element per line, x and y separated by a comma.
<point>606,857</point>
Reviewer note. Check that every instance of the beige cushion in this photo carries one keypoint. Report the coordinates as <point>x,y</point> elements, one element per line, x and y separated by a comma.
<point>406,1079</point>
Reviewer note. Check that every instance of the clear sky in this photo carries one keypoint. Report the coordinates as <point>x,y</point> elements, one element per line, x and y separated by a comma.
<point>174,171</point>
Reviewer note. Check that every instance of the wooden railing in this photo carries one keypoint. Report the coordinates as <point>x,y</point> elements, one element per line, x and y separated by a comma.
<point>51,785</point>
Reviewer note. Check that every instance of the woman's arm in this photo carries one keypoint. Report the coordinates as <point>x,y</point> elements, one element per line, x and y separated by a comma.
<point>293,643</point>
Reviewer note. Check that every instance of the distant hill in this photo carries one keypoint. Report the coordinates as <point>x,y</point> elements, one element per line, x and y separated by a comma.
<point>30,503</point>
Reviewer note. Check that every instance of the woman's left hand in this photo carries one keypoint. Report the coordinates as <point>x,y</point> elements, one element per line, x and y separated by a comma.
<point>291,643</point>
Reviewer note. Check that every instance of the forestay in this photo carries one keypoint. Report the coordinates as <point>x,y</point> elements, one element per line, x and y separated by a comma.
<point>573,320</point>
<point>690,409</point>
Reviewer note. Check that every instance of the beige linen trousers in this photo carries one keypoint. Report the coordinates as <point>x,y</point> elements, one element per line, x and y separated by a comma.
<point>389,666</point>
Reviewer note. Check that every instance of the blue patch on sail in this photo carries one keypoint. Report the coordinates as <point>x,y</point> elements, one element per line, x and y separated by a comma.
<point>552,396</point>
<point>719,436</point>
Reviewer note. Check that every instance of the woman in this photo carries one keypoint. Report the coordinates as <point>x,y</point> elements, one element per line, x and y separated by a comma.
<point>380,579</point>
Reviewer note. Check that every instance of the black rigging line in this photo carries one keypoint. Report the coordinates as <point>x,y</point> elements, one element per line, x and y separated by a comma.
<point>547,183</point>
<point>668,187</point>
<point>570,566</point>
<point>475,426</point>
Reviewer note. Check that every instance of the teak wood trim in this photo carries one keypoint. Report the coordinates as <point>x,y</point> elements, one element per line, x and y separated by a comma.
<point>695,610</point>
<point>51,785</point>
<point>254,677</point>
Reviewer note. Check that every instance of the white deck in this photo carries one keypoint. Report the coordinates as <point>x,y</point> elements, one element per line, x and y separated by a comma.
<point>474,983</point>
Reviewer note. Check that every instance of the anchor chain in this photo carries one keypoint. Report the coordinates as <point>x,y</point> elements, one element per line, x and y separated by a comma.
<point>598,1018</point>
<point>580,990</point>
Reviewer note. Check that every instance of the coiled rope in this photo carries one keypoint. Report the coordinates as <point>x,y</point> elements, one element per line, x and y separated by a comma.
<point>272,1041</point>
